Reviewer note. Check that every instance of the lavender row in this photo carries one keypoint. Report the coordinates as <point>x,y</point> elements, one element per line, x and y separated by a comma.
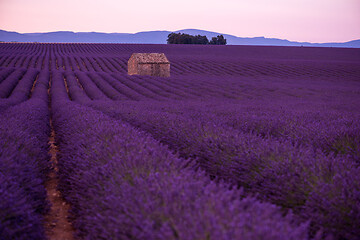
<point>325,128</point>
<point>101,86</point>
<point>76,90</point>
<point>25,86</point>
<point>194,61</point>
<point>33,84</point>
<point>11,61</point>
<point>332,133</point>
<point>121,87</point>
<point>23,169</point>
<point>299,178</point>
<point>29,61</point>
<point>7,85</point>
<point>153,86</point>
<point>128,81</point>
<point>106,87</point>
<point>5,72</point>
<point>20,90</point>
<point>90,87</point>
<point>123,184</point>
<point>138,88</point>
<point>81,88</point>
<point>194,52</point>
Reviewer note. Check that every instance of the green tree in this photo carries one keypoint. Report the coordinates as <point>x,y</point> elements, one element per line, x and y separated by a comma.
<point>219,40</point>
<point>182,38</point>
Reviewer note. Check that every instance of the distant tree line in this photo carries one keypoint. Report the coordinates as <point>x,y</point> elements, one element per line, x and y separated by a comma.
<point>182,38</point>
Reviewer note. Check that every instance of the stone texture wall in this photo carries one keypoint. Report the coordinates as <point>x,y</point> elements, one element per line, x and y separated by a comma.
<point>132,67</point>
<point>152,64</point>
<point>154,69</point>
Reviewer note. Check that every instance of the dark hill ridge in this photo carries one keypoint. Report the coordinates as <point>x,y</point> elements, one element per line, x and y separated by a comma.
<point>154,37</point>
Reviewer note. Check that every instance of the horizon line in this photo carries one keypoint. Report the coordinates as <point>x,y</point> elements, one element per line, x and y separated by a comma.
<point>130,33</point>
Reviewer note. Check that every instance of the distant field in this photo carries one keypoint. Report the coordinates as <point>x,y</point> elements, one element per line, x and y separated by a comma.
<point>241,142</point>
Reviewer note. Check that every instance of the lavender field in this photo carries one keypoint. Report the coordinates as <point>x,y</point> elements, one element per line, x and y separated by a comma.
<point>241,142</point>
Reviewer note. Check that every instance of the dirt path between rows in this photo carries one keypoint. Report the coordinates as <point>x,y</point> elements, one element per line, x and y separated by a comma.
<point>57,226</point>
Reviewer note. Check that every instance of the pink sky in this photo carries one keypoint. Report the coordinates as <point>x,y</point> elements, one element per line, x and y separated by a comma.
<point>297,20</point>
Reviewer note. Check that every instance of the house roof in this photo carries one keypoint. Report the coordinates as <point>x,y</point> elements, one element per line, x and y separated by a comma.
<point>147,58</point>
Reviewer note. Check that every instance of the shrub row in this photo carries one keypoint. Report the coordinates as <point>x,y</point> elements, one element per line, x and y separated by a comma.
<point>316,185</point>
<point>122,184</point>
<point>24,167</point>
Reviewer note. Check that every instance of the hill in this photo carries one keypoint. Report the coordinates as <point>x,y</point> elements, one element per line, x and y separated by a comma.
<point>154,37</point>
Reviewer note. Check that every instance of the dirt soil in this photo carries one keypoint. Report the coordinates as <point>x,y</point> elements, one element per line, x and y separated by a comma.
<point>57,225</point>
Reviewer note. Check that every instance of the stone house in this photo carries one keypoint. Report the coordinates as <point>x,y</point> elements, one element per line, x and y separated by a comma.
<point>153,64</point>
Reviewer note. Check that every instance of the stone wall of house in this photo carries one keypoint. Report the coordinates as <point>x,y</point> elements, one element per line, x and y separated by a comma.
<point>152,64</point>
<point>132,67</point>
<point>154,69</point>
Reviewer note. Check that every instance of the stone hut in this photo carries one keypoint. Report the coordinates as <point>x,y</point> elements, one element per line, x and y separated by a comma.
<point>153,64</point>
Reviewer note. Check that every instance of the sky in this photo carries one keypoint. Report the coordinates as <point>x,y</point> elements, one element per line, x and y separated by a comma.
<point>296,20</point>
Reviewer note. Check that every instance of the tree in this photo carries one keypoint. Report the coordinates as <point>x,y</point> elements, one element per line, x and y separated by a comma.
<point>219,40</point>
<point>171,38</point>
<point>182,38</point>
<point>198,39</point>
